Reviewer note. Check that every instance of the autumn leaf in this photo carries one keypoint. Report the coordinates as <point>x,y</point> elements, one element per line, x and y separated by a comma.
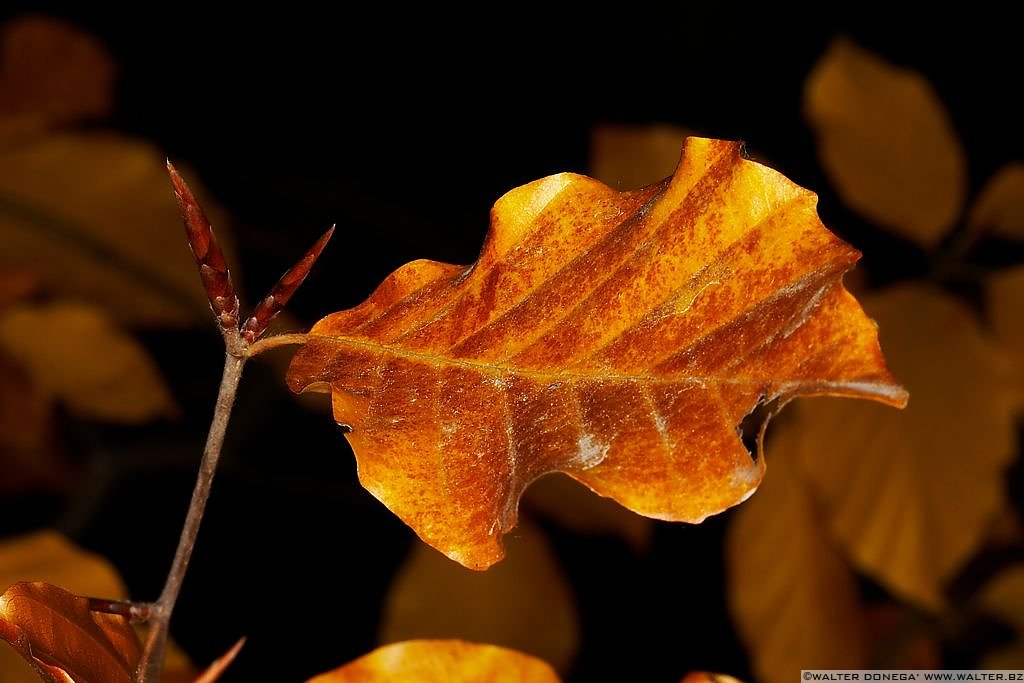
<point>524,603</point>
<point>75,353</point>
<point>442,661</point>
<point>48,556</point>
<point>910,499</point>
<point>63,639</point>
<point>51,73</point>
<point>90,214</point>
<point>792,595</point>
<point>886,142</point>
<point>618,337</point>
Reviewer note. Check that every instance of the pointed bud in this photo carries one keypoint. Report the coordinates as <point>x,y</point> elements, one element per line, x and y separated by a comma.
<point>282,291</point>
<point>212,268</point>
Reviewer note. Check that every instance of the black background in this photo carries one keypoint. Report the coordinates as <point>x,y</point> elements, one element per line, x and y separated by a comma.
<point>403,126</point>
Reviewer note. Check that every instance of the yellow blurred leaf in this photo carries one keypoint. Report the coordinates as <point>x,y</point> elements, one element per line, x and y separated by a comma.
<point>1006,309</point>
<point>792,595</point>
<point>63,639</point>
<point>74,352</point>
<point>627,157</point>
<point>886,142</point>
<point>442,661</point>
<point>575,507</point>
<point>48,556</point>
<point>51,73</point>
<point>911,495</point>
<point>523,602</point>
<point>1000,206</point>
<point>94,215</point>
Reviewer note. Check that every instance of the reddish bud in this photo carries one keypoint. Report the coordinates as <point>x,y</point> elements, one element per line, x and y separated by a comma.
<point>213,270</point>
<point>282,291</point>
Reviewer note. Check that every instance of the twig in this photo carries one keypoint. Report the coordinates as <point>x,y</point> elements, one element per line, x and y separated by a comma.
<point>240,344</point>
<point>136,612</point>
<point>152,657</point>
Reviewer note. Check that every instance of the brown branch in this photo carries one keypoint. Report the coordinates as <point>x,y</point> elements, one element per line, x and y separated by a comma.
<point>153,654</point>
<point>239,345</point>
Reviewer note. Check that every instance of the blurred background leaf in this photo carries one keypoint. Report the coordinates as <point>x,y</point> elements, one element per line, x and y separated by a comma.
<point>886,142</point>
<point>792,593</point>
<point>75,353</point>
<point>524,602</point>
<point>51,73</point>
<point>909,498</point>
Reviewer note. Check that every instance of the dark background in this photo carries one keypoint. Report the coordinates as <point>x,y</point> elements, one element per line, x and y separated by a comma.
<point>403,127</point>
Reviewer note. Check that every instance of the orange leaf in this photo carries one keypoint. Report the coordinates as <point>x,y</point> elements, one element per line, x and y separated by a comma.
<point>57,633</point>
<point>524,603</point>
<point>442,661</point>
<point>48,556</point>
<point>618,337</point>
<point>886,142</point>
<point>792,595</point>
<point>910,496</point>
